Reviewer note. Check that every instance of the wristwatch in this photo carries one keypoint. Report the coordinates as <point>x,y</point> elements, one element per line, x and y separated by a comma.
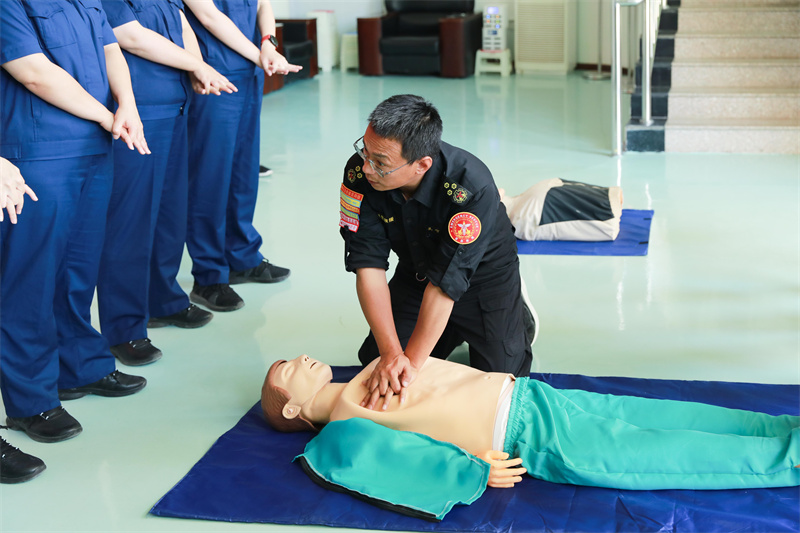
<point>270,38</point>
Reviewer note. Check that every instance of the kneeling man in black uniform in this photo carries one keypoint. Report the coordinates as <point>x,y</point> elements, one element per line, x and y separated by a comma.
<point>457,278</point>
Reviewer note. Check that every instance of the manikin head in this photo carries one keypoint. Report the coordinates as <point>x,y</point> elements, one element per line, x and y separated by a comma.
<point>402,140</point>
<point>288,388</point>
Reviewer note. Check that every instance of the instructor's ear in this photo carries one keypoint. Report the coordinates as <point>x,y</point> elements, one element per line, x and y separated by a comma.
<point>424,164</point>
<point>290,411</point>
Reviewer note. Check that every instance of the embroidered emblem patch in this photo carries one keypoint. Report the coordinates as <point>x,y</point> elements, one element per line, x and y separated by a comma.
<point>464,228</point>
<point>351,175</point>
<point>349,208</point>
<point>457,193</point>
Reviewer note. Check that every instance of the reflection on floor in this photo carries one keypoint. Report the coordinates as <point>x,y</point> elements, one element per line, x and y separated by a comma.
<point>717,298</point>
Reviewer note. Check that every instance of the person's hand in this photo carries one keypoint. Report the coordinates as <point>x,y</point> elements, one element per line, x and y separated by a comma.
<point>12,190</point>
<point>274,63</point>
<point>206,80</point>
<point>392,375</point>
<point>128,127</point>
<point>503,473</point>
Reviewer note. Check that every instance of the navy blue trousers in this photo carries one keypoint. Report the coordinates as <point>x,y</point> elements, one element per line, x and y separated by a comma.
<point>145,233</point>
<point>48,273</point>
<point>224,144</point>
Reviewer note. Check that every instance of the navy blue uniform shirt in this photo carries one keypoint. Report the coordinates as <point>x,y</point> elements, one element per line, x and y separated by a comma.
<point>227,62</point>
<point>72,34</point>
<point>160,90</point>
<point>453,230</point>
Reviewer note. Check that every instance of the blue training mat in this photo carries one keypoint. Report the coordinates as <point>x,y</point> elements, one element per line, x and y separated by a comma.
<point>633,239</point>
<point>248,476</point>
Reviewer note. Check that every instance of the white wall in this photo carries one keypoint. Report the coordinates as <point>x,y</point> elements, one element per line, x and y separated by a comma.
<point>347,11</point>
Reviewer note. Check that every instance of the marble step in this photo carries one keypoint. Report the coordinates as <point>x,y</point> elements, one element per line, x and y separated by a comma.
<point>725,102</point>
<point>740,20</point>
<point>757,136</point>
<point>698,46</point>
<point>686,73</point>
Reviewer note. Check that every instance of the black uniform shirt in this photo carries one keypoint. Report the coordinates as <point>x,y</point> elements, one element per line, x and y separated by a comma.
<point>454,230</point>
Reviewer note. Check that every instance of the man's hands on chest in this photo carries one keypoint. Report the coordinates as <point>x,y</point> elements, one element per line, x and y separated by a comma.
<point>392,375</point>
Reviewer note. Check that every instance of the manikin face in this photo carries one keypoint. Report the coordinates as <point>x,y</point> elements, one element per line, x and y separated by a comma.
<point>302,378</point>
<point>385,154</point>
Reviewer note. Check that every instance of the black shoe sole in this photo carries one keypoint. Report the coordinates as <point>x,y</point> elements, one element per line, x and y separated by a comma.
<point>154,323</point>
<point>138,362</point>
<point>39,438</point>
<point>27,477</point>
<point>236,280</point>
<point>205,303</point>
<point>123,358</point>
<point>66,395</point>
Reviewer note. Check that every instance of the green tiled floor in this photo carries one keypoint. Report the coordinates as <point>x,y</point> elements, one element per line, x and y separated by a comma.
<point>717,298</point>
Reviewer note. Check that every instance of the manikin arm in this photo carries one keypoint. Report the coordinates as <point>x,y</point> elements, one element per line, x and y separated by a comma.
<point>503,473</point>
<point>418,475</point>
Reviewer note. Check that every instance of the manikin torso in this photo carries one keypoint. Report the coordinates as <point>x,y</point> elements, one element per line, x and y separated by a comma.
<point>448,402</point>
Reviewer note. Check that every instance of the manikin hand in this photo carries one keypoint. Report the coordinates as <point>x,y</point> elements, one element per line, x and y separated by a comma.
<point>392,375</point>
<point>12,190</point>
<point>502,475</point>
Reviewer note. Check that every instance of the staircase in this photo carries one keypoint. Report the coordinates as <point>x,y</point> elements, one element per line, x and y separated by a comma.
<point>726,78</point>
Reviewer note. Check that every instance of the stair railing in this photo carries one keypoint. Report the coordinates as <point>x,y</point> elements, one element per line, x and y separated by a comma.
<point>649,16</point>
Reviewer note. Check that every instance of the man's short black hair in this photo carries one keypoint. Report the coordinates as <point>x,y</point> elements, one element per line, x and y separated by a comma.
<point>412,121</point>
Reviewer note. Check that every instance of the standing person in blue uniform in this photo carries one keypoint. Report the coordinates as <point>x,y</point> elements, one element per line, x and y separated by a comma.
<point>61,72</point>
<point>147,215</point>
<point>237,38</point>
<point>16,466</point>
<point>457,278</point>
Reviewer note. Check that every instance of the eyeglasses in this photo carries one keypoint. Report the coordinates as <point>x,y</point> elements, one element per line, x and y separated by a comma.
<point>360,151</point>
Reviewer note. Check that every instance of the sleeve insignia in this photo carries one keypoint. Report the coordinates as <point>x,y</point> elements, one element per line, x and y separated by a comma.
<point>464,228</point>
<point>349,208</point>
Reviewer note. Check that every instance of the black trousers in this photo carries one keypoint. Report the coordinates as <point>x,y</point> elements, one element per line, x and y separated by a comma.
<point>488,317</point>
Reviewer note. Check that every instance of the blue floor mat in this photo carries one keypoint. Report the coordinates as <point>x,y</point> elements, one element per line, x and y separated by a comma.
<point>633,239</point>
<point>248,476</point>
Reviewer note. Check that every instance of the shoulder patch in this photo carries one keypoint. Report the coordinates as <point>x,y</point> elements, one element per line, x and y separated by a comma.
<point>464,228</point>
<point>354,174</point>
<point>458,194</point>
<point>349,208</point>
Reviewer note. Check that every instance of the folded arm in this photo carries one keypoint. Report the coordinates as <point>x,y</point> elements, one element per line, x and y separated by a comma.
<point>223,28</point>
<point>271,60</point>
<point>55,86</point>
<point>152,46</point>
<point>127,124</point>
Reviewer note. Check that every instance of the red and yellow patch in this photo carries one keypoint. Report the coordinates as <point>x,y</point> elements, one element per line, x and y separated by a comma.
<point>349,208</point>
<point>464,228</point>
